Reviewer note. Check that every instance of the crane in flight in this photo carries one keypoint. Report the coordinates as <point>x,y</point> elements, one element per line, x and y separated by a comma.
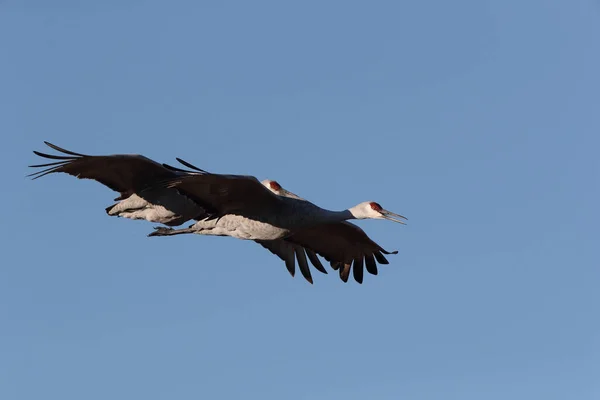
<point>343,244</point>
<point>131,175</point>
<point>286,251</point>
<point>134,176</point>
<point>246,208</point>
<point>328,234</point>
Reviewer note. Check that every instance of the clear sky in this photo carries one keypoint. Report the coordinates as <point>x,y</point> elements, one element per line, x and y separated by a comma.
<point>478,120</point>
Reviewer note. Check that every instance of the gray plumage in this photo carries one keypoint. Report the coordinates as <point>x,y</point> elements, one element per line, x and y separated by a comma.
<point>346,246</point>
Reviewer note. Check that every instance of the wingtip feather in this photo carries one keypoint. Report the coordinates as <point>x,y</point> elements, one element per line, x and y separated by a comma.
<point>190,165</point>
<point>55,147</point>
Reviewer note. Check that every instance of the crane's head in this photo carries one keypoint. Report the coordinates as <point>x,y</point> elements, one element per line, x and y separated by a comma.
<point>276,188</point>
<point>372,210</point>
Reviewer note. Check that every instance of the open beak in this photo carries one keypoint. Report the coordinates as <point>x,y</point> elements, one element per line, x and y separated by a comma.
<point>393,217</point>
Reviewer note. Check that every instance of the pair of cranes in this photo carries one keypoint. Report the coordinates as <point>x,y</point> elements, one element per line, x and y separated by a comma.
<point>239,206</point>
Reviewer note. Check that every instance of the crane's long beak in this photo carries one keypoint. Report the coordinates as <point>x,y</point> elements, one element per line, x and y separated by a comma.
<point>390,216</point>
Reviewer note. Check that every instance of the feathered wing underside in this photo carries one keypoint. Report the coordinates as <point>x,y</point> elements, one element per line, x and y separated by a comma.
<point>228,194</point>
<point>123,173</point>
<point>345,246</point>
<point>289,252</point>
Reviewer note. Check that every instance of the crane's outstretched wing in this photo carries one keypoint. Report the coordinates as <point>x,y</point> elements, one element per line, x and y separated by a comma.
<point>286,251</point>
<point>123,173</point>
<point>342,244</point>
<point>227,194</point>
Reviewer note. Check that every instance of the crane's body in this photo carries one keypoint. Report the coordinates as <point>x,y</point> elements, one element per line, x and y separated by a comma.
<point>235,226</point>
<point>293,213</point>
<point>164,206</point>
<point>255,228</point>
<point>357,249</point>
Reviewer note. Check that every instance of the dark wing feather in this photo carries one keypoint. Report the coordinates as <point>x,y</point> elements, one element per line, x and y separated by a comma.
<point>342,244</point>
<point>283,250</point>
<point>286,251</point>
<point>345,272</point>
<point>228,194</point>
<point>123,173</point>
<point>190,165</point>
<point>194,169</point>
<point>371,264</point>
<point>380,258</point>
<point>358,269</point>
<point>312,256</point>
<point>303,263</point>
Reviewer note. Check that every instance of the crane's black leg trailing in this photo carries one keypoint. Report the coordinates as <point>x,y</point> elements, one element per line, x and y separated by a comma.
<point>164,231</point>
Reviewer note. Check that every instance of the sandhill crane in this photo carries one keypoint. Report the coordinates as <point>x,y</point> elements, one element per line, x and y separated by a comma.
<point>134,177</point>
<point>261,214</point>
<point>286,251</point>
<point>342,243</point>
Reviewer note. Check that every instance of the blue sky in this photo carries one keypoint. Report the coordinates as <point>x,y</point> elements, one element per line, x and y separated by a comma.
<point>478,120</point>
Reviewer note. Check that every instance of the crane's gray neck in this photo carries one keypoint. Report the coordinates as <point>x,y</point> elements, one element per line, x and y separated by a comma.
<point>306,213</point>
<point>329,216</point>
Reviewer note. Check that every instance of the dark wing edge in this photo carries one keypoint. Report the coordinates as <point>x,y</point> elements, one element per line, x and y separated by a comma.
<point>123,173</point>
<point>345,246</point>
<point>289,253</point>
<point>54,166</point>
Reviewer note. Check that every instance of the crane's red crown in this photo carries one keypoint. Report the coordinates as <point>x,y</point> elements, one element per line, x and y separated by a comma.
<point>274,185</point>
<point>376,206</point>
